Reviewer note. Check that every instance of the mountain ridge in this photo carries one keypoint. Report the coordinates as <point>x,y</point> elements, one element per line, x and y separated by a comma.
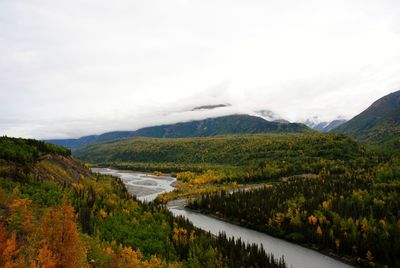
<point>223,125</point>
<point>378,125</point>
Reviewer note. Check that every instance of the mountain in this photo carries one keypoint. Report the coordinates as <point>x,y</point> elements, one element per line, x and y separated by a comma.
<point>324,126</point>
<point>231,124</point>
<point>270,116</point>
<point>377,125</point>
<point>334,124</point>
<point>75,143</point>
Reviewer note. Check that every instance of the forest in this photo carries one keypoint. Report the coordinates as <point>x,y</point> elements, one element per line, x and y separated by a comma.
<point>210,164</point>
<point>251,151</point>
<point>348,212</point>
<point>27,150</point>
<point>323,191</point>
<point>55,213</point>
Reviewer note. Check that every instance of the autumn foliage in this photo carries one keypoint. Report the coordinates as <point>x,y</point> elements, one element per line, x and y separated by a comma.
<point>60,238</point>
<point>52,241</point>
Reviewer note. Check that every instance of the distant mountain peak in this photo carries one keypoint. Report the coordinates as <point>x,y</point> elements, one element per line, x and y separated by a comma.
<point>270,116</point>
<point>324,126</point>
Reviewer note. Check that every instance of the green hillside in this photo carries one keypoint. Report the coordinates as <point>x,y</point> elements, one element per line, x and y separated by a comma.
<point>254,157</point>
<point>231,124</point>
<point>379,125</point>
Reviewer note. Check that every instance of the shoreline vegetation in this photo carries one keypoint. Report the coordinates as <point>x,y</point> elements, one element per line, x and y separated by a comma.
<point>352,216</point>
<point>331,254</point>
<point>247,187</point>
<point>188,191</point>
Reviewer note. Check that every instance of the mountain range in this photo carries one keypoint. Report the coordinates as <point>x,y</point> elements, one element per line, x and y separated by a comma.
<point>323,126</point>
<point>377,125</point>
<point>231,124</point>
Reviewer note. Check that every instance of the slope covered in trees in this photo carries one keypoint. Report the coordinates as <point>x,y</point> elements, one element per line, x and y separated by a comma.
<point>347,211</point>
<point>231,124</point>
<point>210,164</point>
<point>55,213</point>
<point>27,150</point>
<point>378,125</point>
<point>252,156</point>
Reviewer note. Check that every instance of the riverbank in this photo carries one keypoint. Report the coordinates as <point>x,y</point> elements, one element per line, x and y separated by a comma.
<point>145,186</point>
<point>328,253</point>
<point>295,255</point>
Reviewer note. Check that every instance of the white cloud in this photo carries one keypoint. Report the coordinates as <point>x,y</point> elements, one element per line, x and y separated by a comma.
<point>71,68</point>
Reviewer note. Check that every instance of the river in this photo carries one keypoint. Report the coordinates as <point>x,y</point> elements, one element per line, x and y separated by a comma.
<point>146,187</point>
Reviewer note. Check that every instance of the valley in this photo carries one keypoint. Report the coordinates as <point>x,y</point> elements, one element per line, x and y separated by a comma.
<point>54,212</point>
<point>227,196</point>
<point>295,256</point>
<point>145,187</point>
<point>199,134</point>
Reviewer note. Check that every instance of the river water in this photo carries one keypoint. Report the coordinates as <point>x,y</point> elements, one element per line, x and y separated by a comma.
<point>146,187</point>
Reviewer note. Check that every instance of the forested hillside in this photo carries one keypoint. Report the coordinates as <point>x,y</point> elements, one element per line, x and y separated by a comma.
<point>258,156</point>
<point>351,212</point>
<point>55,213</point>
<point>231,124</point>
<point>210,164</point>
<point>379,125</point>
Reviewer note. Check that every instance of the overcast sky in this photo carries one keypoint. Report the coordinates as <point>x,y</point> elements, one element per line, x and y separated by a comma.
<point>78,67</point>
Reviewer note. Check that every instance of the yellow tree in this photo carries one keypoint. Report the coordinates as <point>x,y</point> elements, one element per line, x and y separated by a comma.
<point>3,238</point>
<point>319,231</point>
<point>337,244</point>
<point>60,236</point>
<point>10,252</point>
<point>129,258</point>
<point>154,262</point>
<point>45,259</point>
<point>21,215</point>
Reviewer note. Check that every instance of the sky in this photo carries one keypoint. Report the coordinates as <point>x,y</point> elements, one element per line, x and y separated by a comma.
<point>79,67</point>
